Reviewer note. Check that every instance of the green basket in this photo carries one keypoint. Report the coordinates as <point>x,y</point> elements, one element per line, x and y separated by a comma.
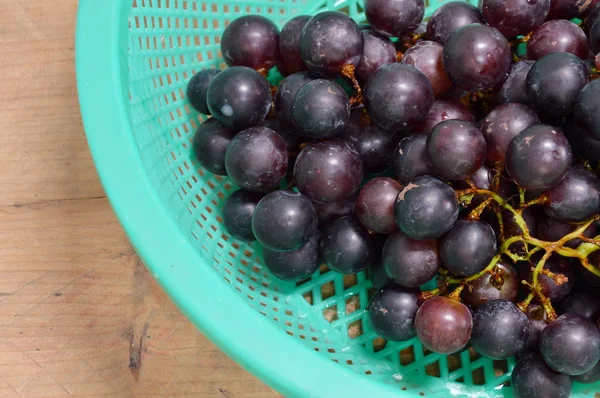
<point>134,59</point>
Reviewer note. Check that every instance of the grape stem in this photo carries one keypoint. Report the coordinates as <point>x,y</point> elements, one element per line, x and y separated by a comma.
<point>348,72</point>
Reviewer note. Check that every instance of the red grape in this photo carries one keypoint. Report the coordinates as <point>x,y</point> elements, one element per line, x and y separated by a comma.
<point>557,36</point>
<point>515,17</point>
<point>290,60</point>
<point>427,57</point>
<point>502,285</point>
<point>394,17</point>
<point>375,204</point>
<point>449,17</point>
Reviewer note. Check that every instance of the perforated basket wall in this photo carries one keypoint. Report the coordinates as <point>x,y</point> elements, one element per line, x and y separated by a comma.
<point>170,40</point>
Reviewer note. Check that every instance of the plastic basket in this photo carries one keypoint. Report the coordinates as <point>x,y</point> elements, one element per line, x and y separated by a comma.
<point>134,59</point>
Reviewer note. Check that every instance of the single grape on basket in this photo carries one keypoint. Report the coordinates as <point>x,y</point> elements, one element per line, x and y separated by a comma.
<point>448,167</point>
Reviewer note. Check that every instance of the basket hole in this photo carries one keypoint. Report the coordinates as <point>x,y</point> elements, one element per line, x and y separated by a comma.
<point>308,296</point>
<point>327,290</point>
<point>349,281</point>
<point>323,269</point>
<point>379,344</point>
<point>407,356</point>
<point>352,304</point>
<point>331,313</point>
<point>473,355</point>
<point>478,377</point>
<point>302,282</point>
<point>500,368</point>
<point>460,380</point>
<point>433,369</point>
<point>355,329</point>
<point>454,362</point>
<point>349,362</point>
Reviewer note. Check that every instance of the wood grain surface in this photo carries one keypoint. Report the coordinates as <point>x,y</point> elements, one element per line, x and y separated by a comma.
<point>79,314</point>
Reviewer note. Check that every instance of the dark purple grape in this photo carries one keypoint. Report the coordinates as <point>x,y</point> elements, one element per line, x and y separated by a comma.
<point>346,247</point>
<point>456,149</point>
<point>593,16</point>
<point>588,277</point>
<point>284,97</point>
<point>284,221</point>
<point>408,262</point>
<point>375,205</point>
<point>551,230</point>
<point>321,109</point>
<point>392,312</point>
<point>398,95</point>
<point>539,157</point>
<point>582,302</point>
<point>378,275</point>
<point>441,111</point>
<point>330,41</point>
<point>514,88</point>
<point>427,57</point>
<point>568,9</point>
<point>468,248</point>
<point>257,159</point>
<point>449,17</point>
<point>252,41</point>
<point>295,265</point>
<point>197,89</point>
<point>595,38</point>
<point>576,199</point>
<point>427,208</point>
<point>554,82</point>
<point>329,212</point>
<point>584,147</point>
<point>589,377</point>
<point>237,214</point>
<point>290,60</point>
<point>444,325</point>
<point>587,109</point>
<point>500,329</point>
<point>477,57</point>
<point>328,171</point>
<point>515,17</point>
<point>410,158</point>
<point>290,136</point>
<point>502,285</point>
<point>532,378</point>
<point>557,36</point>
<point>394,17</point>
<point>561,268</point>
<point>502,125</point>
<point>210,144</point>
<point>571,345</point>
<point>538,321</point>
<point>239,98</point>
<point>378,51</point>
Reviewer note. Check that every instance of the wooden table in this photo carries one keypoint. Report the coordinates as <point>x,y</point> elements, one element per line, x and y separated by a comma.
<point>79,313</point>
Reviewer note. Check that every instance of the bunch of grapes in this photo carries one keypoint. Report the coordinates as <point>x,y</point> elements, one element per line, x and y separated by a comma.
<point>463,151</point>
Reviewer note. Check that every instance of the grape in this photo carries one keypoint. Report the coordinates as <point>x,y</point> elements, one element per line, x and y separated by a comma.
<point>443,325</point>
<point>595,38</point>
<point>237,214</point>
<point>290,60</point>
<point>532,378</point>
<point>197,88</point>
<point>583,146</point>
<point>392,312</point>
<point>511,228</point>
<point>398,95</point>
<point>456,149</point>
<point>394,17</point>
<point>410,158</point>
<point>538,322</point>
<point>328,171</point>
<point>257,159</point>
<point>576,199</point>
<point>375,204</point>
<point>582,302</point>
<point>514,88</point>
<point>295,265</point>
<point>321,109</point>
<point>427,57</point>
<point>502,125</point>
<point>560,267</point>
<point>378,51</point>
<point>587,109</point>
<point>378,275</point>
<point>441,111</point>
<point>587,276</point>
<point>375,145</point>
<point>515,17</point>
<point>239,98</point>
<point>290,137</point>
<point>500,329</point>
<point>539,157</point>
<point>468,248</point>
<point>427,208</point>
<point>555,37</point>
<point>568,9</point>
<point>346,247</point>
<point>329,212</point>
<point>477,57</point>
<point>589,377</point>
<point>286,92</point>
<point>284,221</point>
<point>210,145</point>
<point>252,41</point>
<point>502,285</point>
<point>449,17</point>
<point>593,16</point>
<point>408,262</point>
<point>330,41</point>
<point>551,230</point>
<point>571,345</point>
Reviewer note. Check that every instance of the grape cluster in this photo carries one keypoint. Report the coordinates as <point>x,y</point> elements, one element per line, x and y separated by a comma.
<point>424,152</point>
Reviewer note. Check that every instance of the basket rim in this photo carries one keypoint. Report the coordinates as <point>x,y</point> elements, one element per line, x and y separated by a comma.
<point>263,349</point>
